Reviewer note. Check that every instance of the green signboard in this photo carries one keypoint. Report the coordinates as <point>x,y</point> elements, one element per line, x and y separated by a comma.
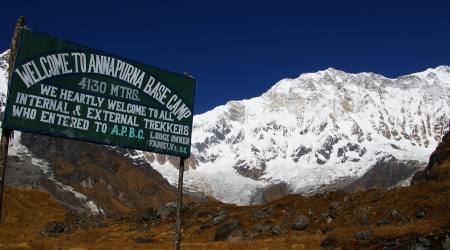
<point>60,88</point>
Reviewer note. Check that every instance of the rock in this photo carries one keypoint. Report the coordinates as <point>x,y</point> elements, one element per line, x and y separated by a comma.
<point>324,216</point>
<point>85,222</point>
<point>346,198</point>
<point>262,227</point>
<point>277,230</point>
<point>164,212</point>
<point>53,228</point>
<point>361,213</point>
<point>446,244</point>
<point>416,246</point>
<point>205,226</point>
<point>100,224</point>
<point>172,204</point>
<point>301,223</point>
<point>383,222</point>
<point>420,214</point>
<point>263,212</point>
<point>229,231</point>
<point>143,240</point>
<point>327,229</point>
<point>149,214</point>
<point>329,219</point>
<point>395,214</point>
<point>332,213</point>
<point>219,218</point>
<point>248,235</point>
<point>329,242</point>
<point>318,195</point>
<point>363,235</point>
<point>424,241</point>
<point>334,205</point>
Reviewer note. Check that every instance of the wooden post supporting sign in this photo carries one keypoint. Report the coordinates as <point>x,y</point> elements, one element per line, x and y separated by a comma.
<point>6,133</point>
<point>179,204</point>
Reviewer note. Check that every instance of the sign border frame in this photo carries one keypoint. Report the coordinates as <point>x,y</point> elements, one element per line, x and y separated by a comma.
<point>5,125</point>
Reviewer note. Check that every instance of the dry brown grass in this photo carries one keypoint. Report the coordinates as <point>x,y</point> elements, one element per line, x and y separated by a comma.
<point>27,211</point>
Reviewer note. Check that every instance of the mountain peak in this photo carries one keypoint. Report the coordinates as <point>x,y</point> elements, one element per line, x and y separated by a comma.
<point>4,53</point>
<point>315,130</point>
<point>318,129</point>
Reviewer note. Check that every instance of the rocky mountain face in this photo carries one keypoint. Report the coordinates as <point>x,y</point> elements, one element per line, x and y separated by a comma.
<point>86,177</point>
<point>386,173</point>
<point>83,176</point>
<point>320,130</point>
<point>438,168</point>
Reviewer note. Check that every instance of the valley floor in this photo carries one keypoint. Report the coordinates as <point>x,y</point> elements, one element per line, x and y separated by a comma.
<point>374,219</point>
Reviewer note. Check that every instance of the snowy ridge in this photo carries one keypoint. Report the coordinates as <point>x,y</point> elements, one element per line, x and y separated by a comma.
<point>314,130</point>
<point>17,149</point>
<point>307,132</point>
<point>3,78</point>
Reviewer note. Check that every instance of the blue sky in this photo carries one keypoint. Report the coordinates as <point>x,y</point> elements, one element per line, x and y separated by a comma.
<point>239,49</point>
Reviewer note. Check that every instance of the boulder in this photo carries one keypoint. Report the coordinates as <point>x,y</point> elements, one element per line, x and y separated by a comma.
<point>205,226</point>
<point>420,214</point>
<point>277,230</point>
<point>334,205</point>
<point>263,226</point>
<point>301,223</point>
<point>329,243</point>
<point>219,218</point>
<point>164,212</point>
<point>53,228</point>
<point>395,214</point>
<point>263,212</point>
<point>363,235</point>
<point>229,231</point>
<point>143,240</point>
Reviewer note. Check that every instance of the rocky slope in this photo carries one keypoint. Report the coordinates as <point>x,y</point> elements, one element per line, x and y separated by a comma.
<point>438,167</point>
<point>321,130</point>
<point>414,217</point>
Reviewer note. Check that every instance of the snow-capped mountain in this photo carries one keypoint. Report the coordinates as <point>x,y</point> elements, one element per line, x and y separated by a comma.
<point>328,128</point>
<point>315,130</point>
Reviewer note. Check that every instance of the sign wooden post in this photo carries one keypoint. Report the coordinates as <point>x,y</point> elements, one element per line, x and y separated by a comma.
<point>179,204</point>
<point>6,133</point>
